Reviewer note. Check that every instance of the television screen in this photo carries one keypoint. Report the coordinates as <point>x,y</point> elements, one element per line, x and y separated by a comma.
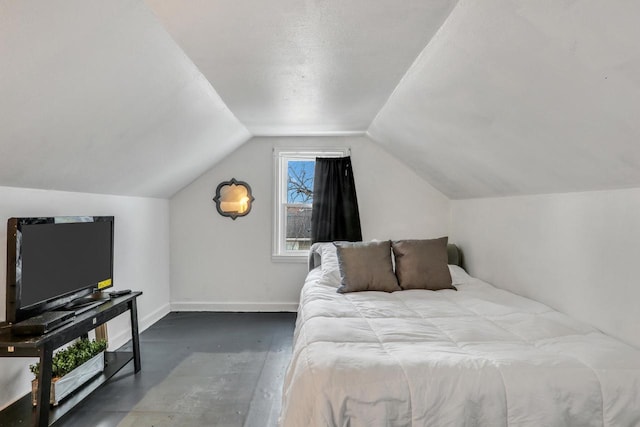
<point>55,260</point>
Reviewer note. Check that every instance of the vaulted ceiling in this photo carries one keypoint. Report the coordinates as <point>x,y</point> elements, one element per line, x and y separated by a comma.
<point>293,66</point>
<point>96,97</point>
<point>522,97</point>
<point>489,98</point>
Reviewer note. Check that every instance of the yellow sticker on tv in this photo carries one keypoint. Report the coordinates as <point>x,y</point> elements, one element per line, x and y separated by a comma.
<point>104,284</point>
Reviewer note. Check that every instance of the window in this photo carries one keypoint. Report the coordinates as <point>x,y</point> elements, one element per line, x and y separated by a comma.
<point>293,183</point>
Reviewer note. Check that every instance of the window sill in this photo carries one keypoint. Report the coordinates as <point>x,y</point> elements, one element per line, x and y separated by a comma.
<point>296,259</point>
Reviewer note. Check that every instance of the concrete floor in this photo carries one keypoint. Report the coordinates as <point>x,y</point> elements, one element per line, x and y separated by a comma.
<point>204,369</point>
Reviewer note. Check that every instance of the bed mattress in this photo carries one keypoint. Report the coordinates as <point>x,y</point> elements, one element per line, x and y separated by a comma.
<point>478,356</point>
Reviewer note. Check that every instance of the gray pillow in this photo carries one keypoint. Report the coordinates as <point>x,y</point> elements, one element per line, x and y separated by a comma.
<point>366,267</point>
<point>422,264</point>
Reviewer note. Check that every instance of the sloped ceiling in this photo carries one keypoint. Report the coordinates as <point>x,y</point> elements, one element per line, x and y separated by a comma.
<point>299,67</point>
<point>481,98</point>
<point>96,97</point>
<point>522,97</point>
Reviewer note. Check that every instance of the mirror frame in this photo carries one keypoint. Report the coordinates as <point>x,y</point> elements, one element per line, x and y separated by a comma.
<point>233,215</point>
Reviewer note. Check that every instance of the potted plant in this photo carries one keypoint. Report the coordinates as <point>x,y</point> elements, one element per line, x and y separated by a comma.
<point>72,367</point>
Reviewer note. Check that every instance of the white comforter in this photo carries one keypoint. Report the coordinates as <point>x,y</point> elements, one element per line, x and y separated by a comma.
<point>476,357</point>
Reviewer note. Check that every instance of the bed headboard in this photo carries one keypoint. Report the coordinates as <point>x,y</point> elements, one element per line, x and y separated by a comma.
<point>314,257</point>
<point>453,252</point>
<point>454,255</point>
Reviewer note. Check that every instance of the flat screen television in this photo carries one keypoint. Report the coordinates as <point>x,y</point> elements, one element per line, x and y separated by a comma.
<point>53,260</point>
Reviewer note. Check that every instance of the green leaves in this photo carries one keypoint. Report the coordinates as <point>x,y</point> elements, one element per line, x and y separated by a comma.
<point>66,360</point>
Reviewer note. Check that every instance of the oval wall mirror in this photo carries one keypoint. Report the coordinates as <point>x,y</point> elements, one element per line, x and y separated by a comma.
<point>233,198</point>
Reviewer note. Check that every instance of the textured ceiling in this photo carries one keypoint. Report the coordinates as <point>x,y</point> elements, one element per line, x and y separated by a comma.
<point>522,97</point>
<point>299,67</point>
<point>96,97</point>
<point>480,98</point>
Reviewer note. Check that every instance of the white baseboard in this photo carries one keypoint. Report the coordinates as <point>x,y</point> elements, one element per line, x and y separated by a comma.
<point>121,338</point>
<point>154,316</point>
<point>234,306</point>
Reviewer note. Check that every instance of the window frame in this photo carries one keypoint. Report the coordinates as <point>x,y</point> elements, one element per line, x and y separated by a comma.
<point>281,157</point>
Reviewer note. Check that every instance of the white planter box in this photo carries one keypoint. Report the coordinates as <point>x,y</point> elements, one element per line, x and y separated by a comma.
<point>62,387</point>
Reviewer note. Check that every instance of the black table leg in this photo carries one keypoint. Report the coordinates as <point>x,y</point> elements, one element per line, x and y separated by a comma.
<point>44,386</point>
<point>135,338</point>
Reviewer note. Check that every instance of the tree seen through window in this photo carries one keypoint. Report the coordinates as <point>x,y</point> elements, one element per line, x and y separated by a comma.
<point>299,200</point>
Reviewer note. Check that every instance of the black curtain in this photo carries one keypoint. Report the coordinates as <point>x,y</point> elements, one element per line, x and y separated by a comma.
<point>335,214</point>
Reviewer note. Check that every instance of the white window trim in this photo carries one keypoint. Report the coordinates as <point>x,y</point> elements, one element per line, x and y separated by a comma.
<point>280,173</point>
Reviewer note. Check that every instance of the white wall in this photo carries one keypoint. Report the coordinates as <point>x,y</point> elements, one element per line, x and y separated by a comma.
<point>221,264</point>
<point>141,260</point>
<point>576,252</point>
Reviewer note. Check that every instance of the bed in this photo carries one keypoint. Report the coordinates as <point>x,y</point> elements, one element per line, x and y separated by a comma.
<point>475,356</point>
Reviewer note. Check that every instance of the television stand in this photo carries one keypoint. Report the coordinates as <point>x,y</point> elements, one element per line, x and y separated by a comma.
<point>22,412</point>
